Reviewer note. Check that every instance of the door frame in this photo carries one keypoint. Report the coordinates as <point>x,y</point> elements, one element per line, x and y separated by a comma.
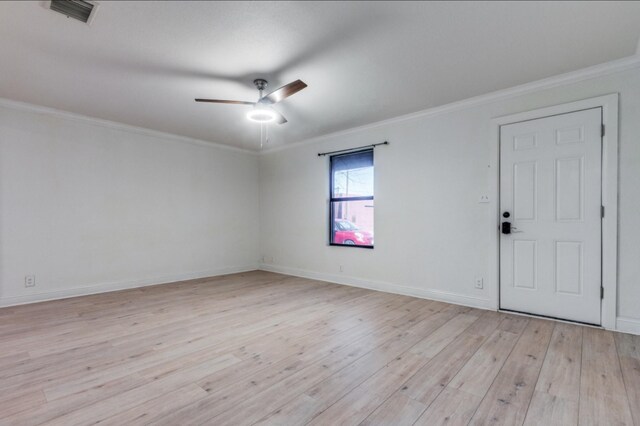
<point>609,105</point>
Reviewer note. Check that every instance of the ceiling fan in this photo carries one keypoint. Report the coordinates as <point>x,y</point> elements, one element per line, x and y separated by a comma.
<point>262,111</point>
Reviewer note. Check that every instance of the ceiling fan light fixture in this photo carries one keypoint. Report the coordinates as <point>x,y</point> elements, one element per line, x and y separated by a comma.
<point>262,114</point>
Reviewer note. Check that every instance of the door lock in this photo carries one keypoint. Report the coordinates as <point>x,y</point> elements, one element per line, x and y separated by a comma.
<point>506,227</point>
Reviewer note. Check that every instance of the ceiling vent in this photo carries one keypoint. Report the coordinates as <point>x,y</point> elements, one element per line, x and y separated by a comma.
<point>76,9</point>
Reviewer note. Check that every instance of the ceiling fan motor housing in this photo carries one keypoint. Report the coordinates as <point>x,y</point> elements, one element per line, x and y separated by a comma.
<point>260,83</point>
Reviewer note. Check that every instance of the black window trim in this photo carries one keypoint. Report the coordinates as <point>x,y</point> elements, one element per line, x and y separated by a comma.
<point>333,199</point>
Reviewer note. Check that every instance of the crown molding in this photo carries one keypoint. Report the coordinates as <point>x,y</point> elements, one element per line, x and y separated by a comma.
<point>24,106</point>
<point>595,71</point>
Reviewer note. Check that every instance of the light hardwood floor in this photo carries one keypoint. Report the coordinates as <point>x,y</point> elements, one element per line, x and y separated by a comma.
<point>262,348</point>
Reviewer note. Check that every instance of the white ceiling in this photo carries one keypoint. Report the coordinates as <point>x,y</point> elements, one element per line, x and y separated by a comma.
<point>143,63</point>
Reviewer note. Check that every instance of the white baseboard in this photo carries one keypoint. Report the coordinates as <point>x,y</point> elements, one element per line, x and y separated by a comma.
<point>119,285</point>
<point>623,324</point>
<point>439,295</point>
<point>628,325</point>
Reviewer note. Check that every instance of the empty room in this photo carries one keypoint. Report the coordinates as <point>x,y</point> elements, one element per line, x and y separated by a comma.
<point>319,213</point>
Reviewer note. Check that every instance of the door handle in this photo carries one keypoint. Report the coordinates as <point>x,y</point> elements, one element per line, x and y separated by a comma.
<point>507,229</point>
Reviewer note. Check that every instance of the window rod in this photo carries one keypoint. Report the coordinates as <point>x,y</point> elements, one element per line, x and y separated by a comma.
<point>322,154</point>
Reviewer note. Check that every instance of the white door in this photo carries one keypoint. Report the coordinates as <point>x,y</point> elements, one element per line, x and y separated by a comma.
<point>550,194</point>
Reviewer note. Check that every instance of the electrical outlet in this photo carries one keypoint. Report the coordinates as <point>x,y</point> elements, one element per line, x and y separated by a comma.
<point>479,282</point>
<point>341,268</point>
<point>484,199</point>
<point>30,281</point>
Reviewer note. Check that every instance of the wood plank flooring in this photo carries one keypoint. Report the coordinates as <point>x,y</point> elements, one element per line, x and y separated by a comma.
<point>269,349</point>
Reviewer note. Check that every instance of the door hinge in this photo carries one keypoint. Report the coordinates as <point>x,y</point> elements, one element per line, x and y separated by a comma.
<point>601,292</point>
<point>602,212</point>
<point>602,130</point>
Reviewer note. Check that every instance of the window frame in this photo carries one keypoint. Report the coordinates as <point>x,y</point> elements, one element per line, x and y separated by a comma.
<point>333,200</point>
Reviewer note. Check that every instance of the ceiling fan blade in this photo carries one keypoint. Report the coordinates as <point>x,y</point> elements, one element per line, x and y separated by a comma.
<point>221,101</point>
<point>279,117</point>
<point>284,92</point>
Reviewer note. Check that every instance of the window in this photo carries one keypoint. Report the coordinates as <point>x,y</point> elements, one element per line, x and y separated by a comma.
<point>351,211</point>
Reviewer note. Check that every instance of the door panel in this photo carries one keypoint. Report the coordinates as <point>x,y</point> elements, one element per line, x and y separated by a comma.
<point>524,264</point>
<point>524,190</point>
<point>569,267</point>
<point>569,189</point>
<point>550,183</point>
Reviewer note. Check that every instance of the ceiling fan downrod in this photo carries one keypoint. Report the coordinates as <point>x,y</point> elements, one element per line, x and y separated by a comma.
<point>261,84</point>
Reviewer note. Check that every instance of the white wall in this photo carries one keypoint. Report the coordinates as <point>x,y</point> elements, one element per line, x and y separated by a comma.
<point>436,168</point>
<point>88,207</point>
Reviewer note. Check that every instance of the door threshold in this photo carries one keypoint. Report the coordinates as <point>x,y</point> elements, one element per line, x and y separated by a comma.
<point>546,317</point>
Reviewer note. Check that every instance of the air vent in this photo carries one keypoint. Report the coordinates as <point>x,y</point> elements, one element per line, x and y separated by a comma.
<point>76,9</point>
